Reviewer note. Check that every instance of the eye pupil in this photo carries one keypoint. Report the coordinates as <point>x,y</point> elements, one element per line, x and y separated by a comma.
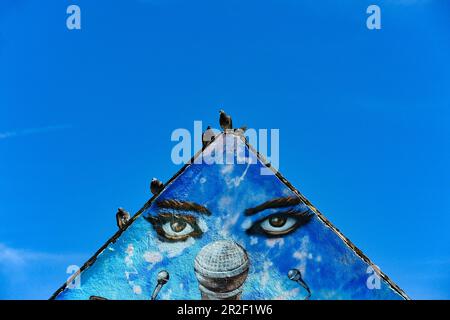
<point>178,226</point>
<point>277,222</point>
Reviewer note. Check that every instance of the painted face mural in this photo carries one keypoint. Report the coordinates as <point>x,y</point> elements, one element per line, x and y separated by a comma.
<point>223,228</point>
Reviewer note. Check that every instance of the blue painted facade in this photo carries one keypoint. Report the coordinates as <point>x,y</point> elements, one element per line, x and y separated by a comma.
<point>239,201</point>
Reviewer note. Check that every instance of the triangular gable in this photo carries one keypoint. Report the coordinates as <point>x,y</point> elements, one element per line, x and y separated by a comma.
<point>239,201</point>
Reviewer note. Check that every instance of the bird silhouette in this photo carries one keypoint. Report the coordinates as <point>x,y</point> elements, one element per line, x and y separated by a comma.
<point>122,218</point>
<point>208,136</point>
<point>156,186</point>
<point>225,121</point>
<point>241,130</point>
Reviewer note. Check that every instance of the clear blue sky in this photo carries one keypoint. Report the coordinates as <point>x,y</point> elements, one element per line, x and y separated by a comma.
<point>86,118</point>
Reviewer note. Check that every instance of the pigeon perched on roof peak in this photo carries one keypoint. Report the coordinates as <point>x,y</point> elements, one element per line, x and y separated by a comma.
<point>208,136</point>
<point>241,130</point>
<point>225,121</point>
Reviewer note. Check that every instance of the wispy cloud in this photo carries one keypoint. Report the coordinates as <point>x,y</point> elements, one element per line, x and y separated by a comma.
<point>32,131</point>
<point>29,274</point>
<point>20,257</point>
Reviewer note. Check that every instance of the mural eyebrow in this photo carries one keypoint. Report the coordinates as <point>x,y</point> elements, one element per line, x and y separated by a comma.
<point>274,203</point>
<point>182,206</point>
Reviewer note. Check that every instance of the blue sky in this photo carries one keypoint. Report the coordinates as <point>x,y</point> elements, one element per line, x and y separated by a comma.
<point>86,118</point>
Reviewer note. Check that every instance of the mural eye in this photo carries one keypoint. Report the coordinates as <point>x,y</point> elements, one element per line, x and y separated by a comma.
<point>280,224</point>
<point>174,227</point>
<point>177,228</point>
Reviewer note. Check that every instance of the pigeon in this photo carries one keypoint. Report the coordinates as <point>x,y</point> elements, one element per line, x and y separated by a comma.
<point>97,298</point>
<point>241,130</point>
<point>225,121</point>
<point>122,218</point>
<point>208,136</point>
<point>156,186</point>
